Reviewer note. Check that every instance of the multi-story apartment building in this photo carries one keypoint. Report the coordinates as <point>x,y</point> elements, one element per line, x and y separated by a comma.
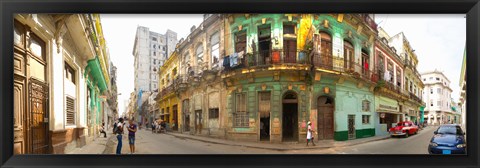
<point>150,51</point>
<point>390,93</point>
<point>412,108</point>
<point>438,96</point>
<point>60,74</point>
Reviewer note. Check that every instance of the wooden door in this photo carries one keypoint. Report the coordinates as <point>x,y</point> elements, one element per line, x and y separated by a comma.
<point>290,51</point>
<point>326,51</point>
<point>325,118</point>
<point>31,129</point>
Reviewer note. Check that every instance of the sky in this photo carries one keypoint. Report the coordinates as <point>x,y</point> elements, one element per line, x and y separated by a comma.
<point>438,41</point>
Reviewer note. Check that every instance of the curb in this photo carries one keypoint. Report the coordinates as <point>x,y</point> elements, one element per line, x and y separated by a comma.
<point>273,148</point>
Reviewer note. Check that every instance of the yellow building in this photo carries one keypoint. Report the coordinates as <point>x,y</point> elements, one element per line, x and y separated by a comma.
<point>166,98</point>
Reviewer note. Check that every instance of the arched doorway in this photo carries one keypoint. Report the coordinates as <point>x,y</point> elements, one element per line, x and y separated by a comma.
<point>290,117</point>
<point>325,107</point>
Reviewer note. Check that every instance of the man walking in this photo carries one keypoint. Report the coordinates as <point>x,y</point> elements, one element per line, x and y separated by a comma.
<point>119,132</point>
<point>132,128</point>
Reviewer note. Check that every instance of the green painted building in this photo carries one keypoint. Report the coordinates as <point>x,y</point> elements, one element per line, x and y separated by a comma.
<point>283,70</point>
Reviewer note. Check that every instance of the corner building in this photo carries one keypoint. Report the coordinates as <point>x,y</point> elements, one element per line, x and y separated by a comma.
<point>283,70</point>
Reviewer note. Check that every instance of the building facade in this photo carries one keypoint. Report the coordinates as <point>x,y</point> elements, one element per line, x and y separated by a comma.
<point>390,92</point>
<point>438,96</point>
<point>412,107</point>
<point>53,81</point>
<point>198,85</point>
<point>167,99</point>
<point>150,51</point>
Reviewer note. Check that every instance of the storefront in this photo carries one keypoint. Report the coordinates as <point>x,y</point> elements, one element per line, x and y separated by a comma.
<point>389,114</point>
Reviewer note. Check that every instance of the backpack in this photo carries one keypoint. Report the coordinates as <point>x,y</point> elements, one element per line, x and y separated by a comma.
<point>115,129</point>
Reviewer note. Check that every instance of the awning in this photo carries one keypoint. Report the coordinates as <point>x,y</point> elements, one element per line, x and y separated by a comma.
<point>96,72</point>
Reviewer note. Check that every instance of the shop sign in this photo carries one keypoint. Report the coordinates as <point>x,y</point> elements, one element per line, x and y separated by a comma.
<point>388,107</point>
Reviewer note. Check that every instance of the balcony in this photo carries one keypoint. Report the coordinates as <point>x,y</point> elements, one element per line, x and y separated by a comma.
<point>368,21</point>
<point>264,59</point>
<point>340,65</point>
<point>166,91</point>
<point>180,83</point>
<point>415,98</point>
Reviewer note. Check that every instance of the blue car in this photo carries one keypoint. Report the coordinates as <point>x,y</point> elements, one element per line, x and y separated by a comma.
<point>448,139</point>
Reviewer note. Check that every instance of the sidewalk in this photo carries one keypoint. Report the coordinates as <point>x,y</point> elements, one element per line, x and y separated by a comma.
<point>323,144</point>
<point>97,146</point>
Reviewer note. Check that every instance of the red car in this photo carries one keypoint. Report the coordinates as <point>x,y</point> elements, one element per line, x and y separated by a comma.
<point>404,128</point>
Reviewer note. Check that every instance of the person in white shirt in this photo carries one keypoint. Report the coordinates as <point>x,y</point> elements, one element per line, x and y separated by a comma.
<point>310,133</point>
<point>119,132</point>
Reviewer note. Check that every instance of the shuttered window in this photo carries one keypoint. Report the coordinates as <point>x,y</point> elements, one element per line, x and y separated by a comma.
<point>70,111</point>
<point>241,115</point>
<point>213,113</point>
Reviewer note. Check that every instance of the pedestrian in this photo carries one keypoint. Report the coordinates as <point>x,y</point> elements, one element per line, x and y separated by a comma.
<point>102,130</point>
<point>310,133</point>
<point>119,131</point>
<point>153,126</point>
<point>132,128</point>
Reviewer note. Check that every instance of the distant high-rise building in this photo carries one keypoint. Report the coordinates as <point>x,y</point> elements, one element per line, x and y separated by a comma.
<point>151,50</point>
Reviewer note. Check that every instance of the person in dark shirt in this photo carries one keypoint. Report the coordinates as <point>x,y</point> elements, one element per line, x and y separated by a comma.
<point>132,128</point>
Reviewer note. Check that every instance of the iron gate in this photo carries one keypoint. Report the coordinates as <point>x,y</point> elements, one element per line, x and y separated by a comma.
<point>38,93</point>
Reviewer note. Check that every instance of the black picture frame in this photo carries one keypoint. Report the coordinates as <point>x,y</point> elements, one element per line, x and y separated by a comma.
<point>9,7</point>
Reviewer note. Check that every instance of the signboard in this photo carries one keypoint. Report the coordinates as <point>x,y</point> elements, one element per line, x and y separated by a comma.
<point>383,106</point>
<point>382,115</point>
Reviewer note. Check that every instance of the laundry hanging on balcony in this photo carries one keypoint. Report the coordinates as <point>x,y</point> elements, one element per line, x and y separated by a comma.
<point>233,60</point>
<point>226,62</point>
<point>386,76</point>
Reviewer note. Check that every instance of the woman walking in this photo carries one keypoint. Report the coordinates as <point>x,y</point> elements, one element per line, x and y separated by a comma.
<point>310,133</point>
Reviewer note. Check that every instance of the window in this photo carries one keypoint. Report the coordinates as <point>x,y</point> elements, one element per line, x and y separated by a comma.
<point>241,115</point>
<point>365,106</point>
<point>215,48</point>
<point>365,119</point>
<point>431,78</point>
<point>288,29</point>
<point>70,111</point>
<point>431,90</point>
<point>399,77</point>
<point>348,58</point>
<point>199,54</point>
<point>154,39</point>
<point>154,46</point>
<point>155,61</point>
<point>439,103</point>
<point>69,73</point>
<point>424,79</point>
<point>390,71</point>
<point>410,86</point>
<point>240,41</point>
<point>431,103</point>
<point>380,66</point>
<point>438,79</point>
<point>439,90</point>
<point>213,113</point>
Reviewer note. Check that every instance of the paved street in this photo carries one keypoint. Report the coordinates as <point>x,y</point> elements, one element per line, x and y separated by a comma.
<point>148,143</point>
<point>416,144</point>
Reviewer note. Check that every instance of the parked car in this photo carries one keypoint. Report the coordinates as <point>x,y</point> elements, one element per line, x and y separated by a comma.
<point>404,128</point>
<point>448,139</point>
